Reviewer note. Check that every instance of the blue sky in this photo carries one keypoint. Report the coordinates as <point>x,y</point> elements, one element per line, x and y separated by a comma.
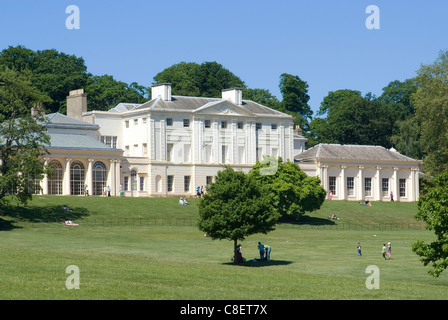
<point>324,42</point>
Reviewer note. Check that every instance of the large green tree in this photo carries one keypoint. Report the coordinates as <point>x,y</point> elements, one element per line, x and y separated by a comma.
<point>56,73</point>
<point>354,119</point>
<point>295,99</point>
<point>235,207</point>
<point>431,106</point>
<point>433,211</point>
<point>406,133</point>
<point>291,191</point>
<point>104,92</point>
<point>199,80</point>
<point>22,136</point>
<point>52,73</point>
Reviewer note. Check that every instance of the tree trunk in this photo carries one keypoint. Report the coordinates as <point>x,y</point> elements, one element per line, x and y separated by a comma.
<point>235,253</point>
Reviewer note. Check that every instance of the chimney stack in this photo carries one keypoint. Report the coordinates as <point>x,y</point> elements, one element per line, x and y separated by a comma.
<point>235,95</point>
<point>37,110</point>
<point>76,103</point>
<point>163,90</point>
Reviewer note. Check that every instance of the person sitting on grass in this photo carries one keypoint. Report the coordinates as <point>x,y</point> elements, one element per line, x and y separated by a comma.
<point>70,223</point>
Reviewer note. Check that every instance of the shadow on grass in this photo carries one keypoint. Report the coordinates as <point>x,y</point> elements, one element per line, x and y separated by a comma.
<point>259,264</point>
<point>32,214</point>
<point>307,220</point>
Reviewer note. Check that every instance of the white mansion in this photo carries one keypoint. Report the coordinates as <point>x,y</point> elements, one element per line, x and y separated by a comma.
<point>171,144</point>
<point>167,146</point>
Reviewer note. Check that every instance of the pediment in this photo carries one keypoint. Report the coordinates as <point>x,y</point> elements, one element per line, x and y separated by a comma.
<point>223,108</point>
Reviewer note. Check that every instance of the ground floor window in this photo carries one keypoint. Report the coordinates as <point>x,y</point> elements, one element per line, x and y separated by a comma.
<point>187,180</point>
<point>402,183</point>
<point>170,183</point>
<point>126,183</point>
<point>77,178</point>
<point>332,185</point>
<point>133,180</point>
<point>55,178</point>
<point>99,178</point>
<point>208,181</point>
<point>368,187</point>
<point>385,187</point>
<point>350,186</point>
<point>142,183</point>
<point>34,186</point>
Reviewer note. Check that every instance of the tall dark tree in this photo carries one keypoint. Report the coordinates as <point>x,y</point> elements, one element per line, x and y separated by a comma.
<point>433,211</point>
<point>105,92</point>
<point>354,119</point>
<point>431,106</point>
<point>22,136</point>
<point>56,73</point>
<point>263,97</point>
<point>53,73</point>
<point>295,99</point>
<point>199,80</point>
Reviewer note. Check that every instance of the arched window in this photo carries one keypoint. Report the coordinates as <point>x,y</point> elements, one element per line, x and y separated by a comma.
<point>55,178</point>
<point>77,178</point>
<point>133,180</point>
<point>99,178</point>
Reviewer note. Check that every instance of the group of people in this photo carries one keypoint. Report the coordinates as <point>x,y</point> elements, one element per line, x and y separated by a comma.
<point>199,192</point>
<point>106,191</point>
<point>265,251</point>
<point>183,201</point>
<point>385,251</point>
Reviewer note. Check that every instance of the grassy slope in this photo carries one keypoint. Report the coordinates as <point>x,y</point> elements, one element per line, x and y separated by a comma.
<point>133,260</point>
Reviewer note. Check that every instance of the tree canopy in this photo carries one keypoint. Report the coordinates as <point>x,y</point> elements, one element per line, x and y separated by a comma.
<point>55,74</point>
<point>291,191</point>
<point>354,119</point>
<point>433,211</point>
<point>235,207</point>
<point>198,80</point>
<point>431,105</point>
<point>22,137</point>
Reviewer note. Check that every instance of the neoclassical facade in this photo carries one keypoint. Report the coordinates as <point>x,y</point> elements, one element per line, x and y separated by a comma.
<point>357,172</point>
<point>167,146</point>
<point>79,159</point>
<point>171,145</point>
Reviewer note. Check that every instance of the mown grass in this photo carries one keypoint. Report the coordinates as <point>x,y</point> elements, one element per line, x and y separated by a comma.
<point>122,254</point>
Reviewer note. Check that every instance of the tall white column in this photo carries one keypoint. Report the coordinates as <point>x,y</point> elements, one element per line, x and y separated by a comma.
<point>66,181</point>
<point>118,178</point>
<point>377,193</point>
<point>111,177</point>
<point>395,185</point>
<point>361,183</point>
<point>44,182</point>
<point>343,184</point>
<point>325,177</point>
<point>216,146</point>
<point>89,180</point>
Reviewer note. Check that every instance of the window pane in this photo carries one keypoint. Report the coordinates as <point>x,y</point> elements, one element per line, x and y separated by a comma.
<point>332,185</point>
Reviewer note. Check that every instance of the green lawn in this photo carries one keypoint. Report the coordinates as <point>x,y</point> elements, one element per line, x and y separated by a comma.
<point>149,248</point>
